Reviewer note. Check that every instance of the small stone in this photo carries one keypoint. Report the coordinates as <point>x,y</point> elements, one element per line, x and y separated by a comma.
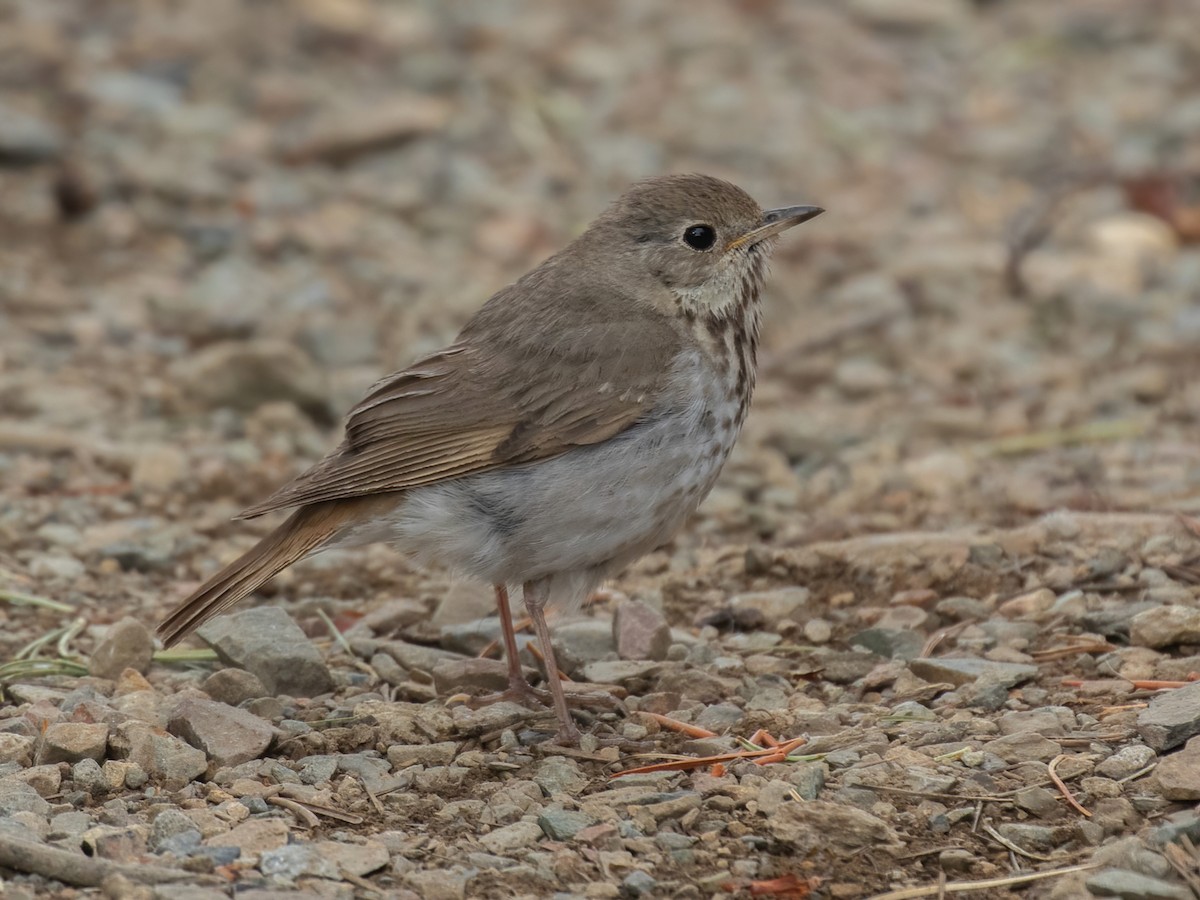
<point>1134,886</point>
<point>451,676</point>
<point>1171,718</point>
<point>638,884</point>
<point>564,824</point>
<point>1165,626</point>
<point>88,775</point>
<point>17,796</point>
<point>228,736</point>
<point>1126,761</point>
<point>161,756</point>
<point>16,748</point>
<point>440,884</point>
<point>400,756</point>
<point>889,643</point>
<point>1043,720</point>
<point>1023,747</point>
<point>559,775</point>
<point>640,631</point>
<point>170,823</point>
<point>25,139</point>
<point>56,565</point>
<point>233,686</point>
<point>818,631</point>
<point>244,375</point>
<point>508,838</point>
<point>964,670</point>
<point>1178,773</point>
<point>128,644</point>
<point>252,837</point>
<point>818,823</point>
<point>1130,853</point>
<point>72,741</point>
<point>264,640</point>
<point>775,606</point>
<point>1039,801</point>
<point>583,642</point>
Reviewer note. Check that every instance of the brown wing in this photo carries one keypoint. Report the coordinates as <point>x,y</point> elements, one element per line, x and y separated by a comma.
<point>512,389</point>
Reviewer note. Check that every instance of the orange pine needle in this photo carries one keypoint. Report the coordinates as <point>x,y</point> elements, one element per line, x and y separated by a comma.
<point>1062,785</point>
<point>562,676</point>
<point>717,770</point>
<point>493,646</point>
<point>670,724</point>
<point>776,754</point>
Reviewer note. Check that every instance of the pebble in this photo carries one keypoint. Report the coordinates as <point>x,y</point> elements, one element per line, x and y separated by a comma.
<point>640,631</point>
<point>233,686</point>
<point>559,775</point>
<point>1134,886</point>
<point>169,824</point>
<point>451,676</point>
<point>1178,774</point>
<point>638,884</point>
<point>1171,718</point>
<point>1126,761</point>
<point>252,837</point>
<point>509,838</point>
<point>401,756</point>
<point>775,606</point>
<point>964,670</point>
<point>818,823</point>
<point>265,641</point>
<point>26,139</point>
<point>1165,626</point>
<point>583,642</point>
<point>163,757</point>
<point>244,375</point>
<point>564,824</point>
<point>73,741</point>
<point>228,736</point>
<point>127,644</point>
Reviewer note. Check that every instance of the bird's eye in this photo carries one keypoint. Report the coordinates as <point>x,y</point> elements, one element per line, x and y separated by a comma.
<point>700,237</point>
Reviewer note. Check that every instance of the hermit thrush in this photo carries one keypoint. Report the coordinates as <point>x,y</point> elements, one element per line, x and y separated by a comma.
<point>577,420</point>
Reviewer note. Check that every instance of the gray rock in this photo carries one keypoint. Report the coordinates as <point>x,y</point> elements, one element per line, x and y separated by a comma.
<point>318,769</point>
<point>1039,801</point>
<point>1024,746</point>
<point>625,672</point>
<point>965,670</point>
<point>228,736</point>
<point>1134,886</point>
<point>809,779</point>
<point>16,748</point>
<point>233,686</point>
<point>559,775</point>
<point>775,606</point>
<point>1165,626</point>
<point>25,140</point>
<point>72,741</point>
<point>469,638</point>
<point>88,775</point>
<point>1044,720</point>
<point>640,631</point>
<point>17,796</point>
<point>889,643</point>
<point>719,717</point>
<point>509,838</point>
<point>1131,854</point>
<point>401,756</point>
<point>638,884</point>
<point>410,657</point>
<point>374,772</point>
<point>264,640</point>
<point>583,642</point>
<point>564,824</point>
<point>168,824</point>
<point>469,674</point>
<point>1126,761</point>
<point>163,757</point>
<point>1171,718</point>
<point>1034,837</point>
<point>243,375</point>
<point>127,645</point>
<point>468,602</point>
<point>1178,773</point>
<point>69,824</point>
<point>807,826</point>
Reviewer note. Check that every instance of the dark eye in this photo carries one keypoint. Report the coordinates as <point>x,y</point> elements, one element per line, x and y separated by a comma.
<point>700,237</point>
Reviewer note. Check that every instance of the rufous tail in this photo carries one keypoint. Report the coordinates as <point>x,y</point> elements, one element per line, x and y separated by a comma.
<point>304,531</point>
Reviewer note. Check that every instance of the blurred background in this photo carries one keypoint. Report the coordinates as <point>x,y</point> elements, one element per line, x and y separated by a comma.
<point>221,221</point>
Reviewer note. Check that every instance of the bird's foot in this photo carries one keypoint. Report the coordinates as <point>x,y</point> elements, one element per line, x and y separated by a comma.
<point>518,691</point>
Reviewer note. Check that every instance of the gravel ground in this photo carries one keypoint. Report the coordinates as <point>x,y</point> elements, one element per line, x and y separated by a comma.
<point>956,549</point>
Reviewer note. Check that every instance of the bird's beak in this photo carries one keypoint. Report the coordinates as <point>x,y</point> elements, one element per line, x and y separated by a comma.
<point>774,221</point>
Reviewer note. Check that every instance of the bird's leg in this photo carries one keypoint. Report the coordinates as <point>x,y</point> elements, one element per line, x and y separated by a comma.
<point>537,594</point>
<point>518,687</point>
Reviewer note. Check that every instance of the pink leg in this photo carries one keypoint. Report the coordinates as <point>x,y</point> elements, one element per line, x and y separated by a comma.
<point>536,596</point>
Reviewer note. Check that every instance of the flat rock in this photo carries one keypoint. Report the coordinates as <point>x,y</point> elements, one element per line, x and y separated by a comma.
<point>1165,626</point>
<point>163,757</point>
<point>509,838</point>
<point>469,674</point>
<point>252,837</point>
<point>127,645</point>
<point>1126,761</point>
<point>264,640</point>
<point>228,736</point>
<point>564,824</point>
<point>624,672</point>
<point>559,775</point>
<point>1134,886</point>
<point>1178,773</point>
<point>640,631</point>
<point>233,686</point>
<point>243,375</point>
<point>73,741</point>
<point>775,606</point>
<point>401,756</point>
<point>965,670</point>
<point>582,642</point>
<point>1171,718</point>
<point>819,823</point>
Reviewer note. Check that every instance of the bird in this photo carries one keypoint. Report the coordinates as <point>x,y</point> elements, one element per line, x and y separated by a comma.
<point>575,423</point>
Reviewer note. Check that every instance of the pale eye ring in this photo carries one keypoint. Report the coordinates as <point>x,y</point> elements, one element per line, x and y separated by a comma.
<point>700,237</point>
